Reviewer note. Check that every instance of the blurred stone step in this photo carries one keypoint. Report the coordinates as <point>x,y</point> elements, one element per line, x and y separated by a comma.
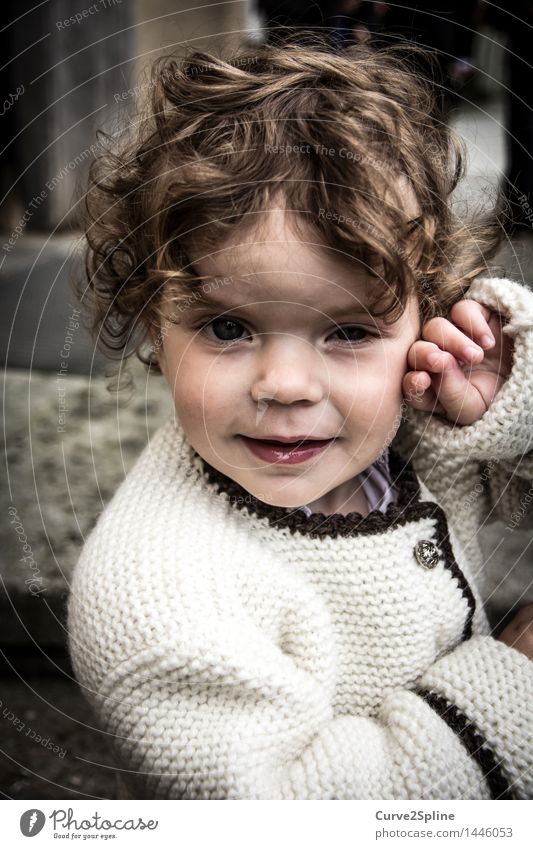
<point>59,478</point>
<point>41,322</point>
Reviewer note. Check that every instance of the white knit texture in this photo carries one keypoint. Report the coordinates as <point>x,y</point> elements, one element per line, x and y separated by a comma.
<point>232,659</point>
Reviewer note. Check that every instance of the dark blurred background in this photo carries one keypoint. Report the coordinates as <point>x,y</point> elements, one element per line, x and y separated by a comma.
<point>69,69</point>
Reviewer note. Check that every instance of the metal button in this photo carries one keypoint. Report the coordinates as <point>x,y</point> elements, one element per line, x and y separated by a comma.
<point>427,553</point>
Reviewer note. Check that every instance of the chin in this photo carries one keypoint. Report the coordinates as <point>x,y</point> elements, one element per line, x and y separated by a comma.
<point>278,498</point>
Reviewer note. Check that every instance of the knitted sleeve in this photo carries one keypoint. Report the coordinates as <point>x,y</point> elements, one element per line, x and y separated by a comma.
<point>495,453</point>
<point>206,705</point>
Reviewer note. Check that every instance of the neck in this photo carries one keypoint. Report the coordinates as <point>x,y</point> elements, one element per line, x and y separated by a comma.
<point>343,499</point>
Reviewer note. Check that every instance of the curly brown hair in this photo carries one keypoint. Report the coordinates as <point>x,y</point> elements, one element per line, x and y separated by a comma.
<point>223,136</point>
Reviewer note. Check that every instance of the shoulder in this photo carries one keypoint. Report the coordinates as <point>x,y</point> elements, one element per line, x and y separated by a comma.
<point>154,517</point>
<point>162,477</point>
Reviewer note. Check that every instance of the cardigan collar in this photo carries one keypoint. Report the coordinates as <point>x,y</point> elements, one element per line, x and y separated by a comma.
<point>406,507</point>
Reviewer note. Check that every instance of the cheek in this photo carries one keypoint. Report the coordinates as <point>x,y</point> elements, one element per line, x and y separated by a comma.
<point>372,395</point>
<point>200,388</point>
<point>377,380</point>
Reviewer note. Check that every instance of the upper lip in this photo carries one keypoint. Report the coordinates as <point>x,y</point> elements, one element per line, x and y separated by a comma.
<point>277,438</point>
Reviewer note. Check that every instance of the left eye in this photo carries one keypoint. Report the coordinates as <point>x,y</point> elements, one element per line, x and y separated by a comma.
<point>225,329</point>
<point>351,334</point>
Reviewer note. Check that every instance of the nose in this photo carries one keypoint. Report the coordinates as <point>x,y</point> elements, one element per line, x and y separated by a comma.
<point>288,370</point>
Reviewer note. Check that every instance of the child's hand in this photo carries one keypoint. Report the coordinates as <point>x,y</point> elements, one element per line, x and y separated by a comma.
<point>459,364</point>
<point>519,633</point>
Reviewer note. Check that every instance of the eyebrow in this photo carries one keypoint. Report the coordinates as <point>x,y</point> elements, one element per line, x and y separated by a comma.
<point>203,299</point>
<point>207,299</point>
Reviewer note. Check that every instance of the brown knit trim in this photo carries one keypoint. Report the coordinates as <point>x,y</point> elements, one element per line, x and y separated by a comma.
<point>473,741</point>
<point>443,541</point>
<point>406,508</point>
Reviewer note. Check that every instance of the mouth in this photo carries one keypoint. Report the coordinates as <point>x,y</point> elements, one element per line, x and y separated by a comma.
<point>295,449</point>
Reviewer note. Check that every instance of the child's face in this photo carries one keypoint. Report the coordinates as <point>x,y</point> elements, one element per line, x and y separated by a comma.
<point>293,354</point>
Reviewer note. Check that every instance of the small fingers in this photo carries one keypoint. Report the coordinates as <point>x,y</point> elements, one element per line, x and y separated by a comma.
<point>473,319</point>
<point>460,398</point>
<point>444,335</point>
<point>419,393</point>
<point>444,389</point>
<point>427,356</point>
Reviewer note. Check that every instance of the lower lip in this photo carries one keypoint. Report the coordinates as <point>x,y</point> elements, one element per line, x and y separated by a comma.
<point>276,453</point>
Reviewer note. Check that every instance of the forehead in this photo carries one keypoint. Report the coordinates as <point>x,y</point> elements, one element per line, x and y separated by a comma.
<point>271,256</point>
<point>278,248</point>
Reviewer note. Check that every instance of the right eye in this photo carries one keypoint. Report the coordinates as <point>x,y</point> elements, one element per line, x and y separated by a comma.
<point>224,329</point>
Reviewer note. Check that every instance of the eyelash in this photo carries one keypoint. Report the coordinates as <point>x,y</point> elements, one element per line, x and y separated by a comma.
<point>202,328</point>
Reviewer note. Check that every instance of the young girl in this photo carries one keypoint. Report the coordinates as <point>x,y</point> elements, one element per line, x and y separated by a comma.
<point>281,601</point>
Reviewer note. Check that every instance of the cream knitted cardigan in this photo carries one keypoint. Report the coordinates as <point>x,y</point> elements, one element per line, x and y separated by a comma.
<point>237,651</point>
